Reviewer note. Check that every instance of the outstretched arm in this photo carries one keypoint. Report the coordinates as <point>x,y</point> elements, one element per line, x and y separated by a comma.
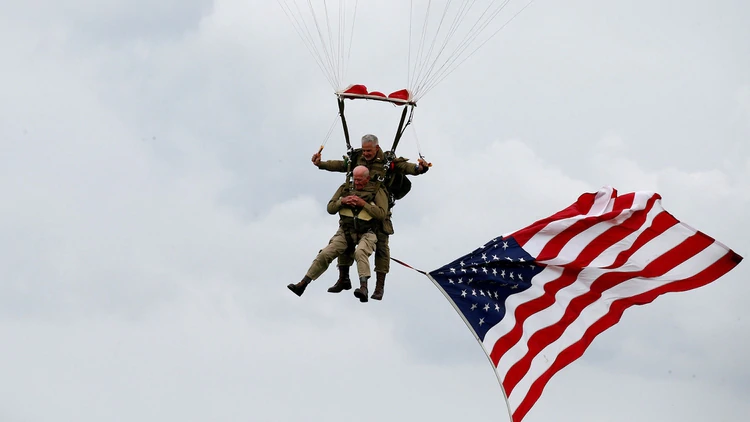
<point>330,165</point>
<point>405,167</point>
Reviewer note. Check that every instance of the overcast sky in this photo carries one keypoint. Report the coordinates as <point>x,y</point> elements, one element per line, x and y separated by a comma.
<point>158,197</point>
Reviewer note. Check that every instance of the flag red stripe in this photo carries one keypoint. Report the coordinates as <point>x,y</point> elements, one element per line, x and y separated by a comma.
<point>581,207</point>
<point>613,235</point>
<point>568,276</point>
<point>555,245</point>
<point>618,307</point>
<point>662,222</point>
<point>547,335</point>
<point>525,310</point>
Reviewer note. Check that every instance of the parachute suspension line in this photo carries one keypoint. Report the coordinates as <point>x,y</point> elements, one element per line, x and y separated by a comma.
<point>419,148</point>
<point>416,141</point>
<point>418,58</point>
<point>446,69</point>
<point>480,24</point>
<point>306,34</point>
<point>434,40</point>
<point>451,31</point>
<point>328,134</point>
<point>463,10</point>
<point>408,61</point>
<point>344,51</point>
<point>327,45</point>
<point>341,50</point>
<point>351,36</point>
<point>328,54</point>
<point>437,72</point>
<point>458,18</point>
<point>440,79</point>
<point>300,26</point>
<point>334,58</point>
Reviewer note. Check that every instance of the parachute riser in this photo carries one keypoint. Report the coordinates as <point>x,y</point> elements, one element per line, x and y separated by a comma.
<point>349,150</point>
<point>343,123</point>
<point>390,156</point>
<point>402,127</point>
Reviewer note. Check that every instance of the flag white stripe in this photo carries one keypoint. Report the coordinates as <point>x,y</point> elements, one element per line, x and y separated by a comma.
<point>603,204</point>
<point>551,315</point>
<point>575,245</point>
<point>552,273</point>
<point>602,201</point>
<point>600,308</point>
<point>573,248</point>
<point>509,320</point>
<point>609,256</point>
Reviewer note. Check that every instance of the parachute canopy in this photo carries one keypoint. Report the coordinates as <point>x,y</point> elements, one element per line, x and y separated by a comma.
<point>399,97</point>
<point>439,35</point>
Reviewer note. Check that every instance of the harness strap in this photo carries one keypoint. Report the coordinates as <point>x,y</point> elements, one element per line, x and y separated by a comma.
<point>349,149</point>
<point>343,123</point>
<point>401,126</point>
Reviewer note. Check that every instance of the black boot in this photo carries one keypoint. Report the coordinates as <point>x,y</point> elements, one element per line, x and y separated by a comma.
<point>343,283</point>
<point>379,287</point>
<point>300,287</point>
<point>361,293</point>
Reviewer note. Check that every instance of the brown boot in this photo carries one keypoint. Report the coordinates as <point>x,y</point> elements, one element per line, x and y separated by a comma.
<point>361,293</point>
<point>300,287</point>
<point>379,286</point>
<point>343,283</point>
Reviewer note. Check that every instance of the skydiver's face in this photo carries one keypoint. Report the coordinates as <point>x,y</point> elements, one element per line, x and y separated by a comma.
<point>360,181</point>
<point>369,150</point>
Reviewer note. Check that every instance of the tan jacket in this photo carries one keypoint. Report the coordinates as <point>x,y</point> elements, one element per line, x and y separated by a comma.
<point>376,207</point>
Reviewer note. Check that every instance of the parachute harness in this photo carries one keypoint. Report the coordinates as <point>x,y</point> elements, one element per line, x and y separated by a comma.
<point>349,156</point>
<point>390,155</point>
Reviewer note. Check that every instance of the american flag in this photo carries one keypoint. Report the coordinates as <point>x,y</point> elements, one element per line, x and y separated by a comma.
<point>536,298</point>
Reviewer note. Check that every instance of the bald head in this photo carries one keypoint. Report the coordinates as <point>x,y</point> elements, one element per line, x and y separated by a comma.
<point>361,176</point>
<point>361,171</point>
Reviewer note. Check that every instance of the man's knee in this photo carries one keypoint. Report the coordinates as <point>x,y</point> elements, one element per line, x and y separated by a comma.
<point>325,257</point>
<point>330,252</point>
<point>345,260</point>
<point>361,254</point>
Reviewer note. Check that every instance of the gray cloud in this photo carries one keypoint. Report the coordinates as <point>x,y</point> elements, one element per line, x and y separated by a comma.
<point>158,197</point>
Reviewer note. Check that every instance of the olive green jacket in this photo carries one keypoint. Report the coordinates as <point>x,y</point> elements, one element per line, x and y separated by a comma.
<point>376,166</point>
<point>376,206</point>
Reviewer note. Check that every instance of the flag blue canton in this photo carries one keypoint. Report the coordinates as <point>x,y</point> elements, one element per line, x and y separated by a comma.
<point>480,282</point>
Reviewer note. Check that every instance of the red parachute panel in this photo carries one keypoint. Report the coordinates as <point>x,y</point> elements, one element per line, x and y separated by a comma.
<point>403,95</point>
<point>399,97</point>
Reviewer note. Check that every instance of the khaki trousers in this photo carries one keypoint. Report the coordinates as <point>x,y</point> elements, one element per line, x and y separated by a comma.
<point>365,245</point>
<point>382,255</point>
